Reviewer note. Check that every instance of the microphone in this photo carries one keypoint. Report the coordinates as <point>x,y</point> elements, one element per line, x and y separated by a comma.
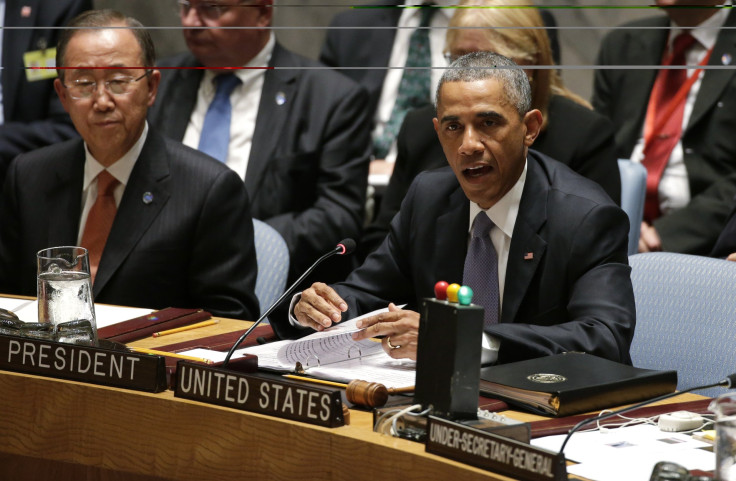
<point>728,382</point>
<point>344,247</point>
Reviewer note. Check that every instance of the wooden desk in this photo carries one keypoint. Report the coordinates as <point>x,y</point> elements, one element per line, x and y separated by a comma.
<point>62,430</point>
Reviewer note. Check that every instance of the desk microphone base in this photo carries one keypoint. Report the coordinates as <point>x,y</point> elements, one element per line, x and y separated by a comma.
<point>414,428</point>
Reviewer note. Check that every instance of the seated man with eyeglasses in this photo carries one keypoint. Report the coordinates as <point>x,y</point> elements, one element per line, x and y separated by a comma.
<point>165,225</point>
<point>297,133</point>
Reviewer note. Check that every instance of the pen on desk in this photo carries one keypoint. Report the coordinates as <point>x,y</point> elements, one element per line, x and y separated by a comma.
<point>316,381</point>
<point>185,328</point>
<point>170,354</point>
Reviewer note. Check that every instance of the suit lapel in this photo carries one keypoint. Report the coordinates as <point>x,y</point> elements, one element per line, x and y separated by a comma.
<point>527,247</point>
<point>186,85</point>
<point>450,250</point>
<point>134,216</point>
<point>715,81</point>
<point>647,48</point>
<point>379,45</point>
<point>271,117</point>
<point>15,43</point>
<point>64,198</point>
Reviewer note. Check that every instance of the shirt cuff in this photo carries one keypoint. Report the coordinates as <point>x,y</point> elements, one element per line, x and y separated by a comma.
<point>294,300</point>
<point>489,349</point>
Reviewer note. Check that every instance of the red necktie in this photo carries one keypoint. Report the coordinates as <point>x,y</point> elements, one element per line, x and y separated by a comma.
<point>664,115</point>
<point>99,220</point>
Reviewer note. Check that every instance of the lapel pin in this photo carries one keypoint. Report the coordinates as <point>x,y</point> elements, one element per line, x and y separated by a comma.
<point>280,98</point>
<point>147,198</point>
<point>726,59</point>
<point>25,12</point>
<point>529,256</point>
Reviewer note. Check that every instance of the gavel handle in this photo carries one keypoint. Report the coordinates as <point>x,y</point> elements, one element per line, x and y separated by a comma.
<point>401,390</point>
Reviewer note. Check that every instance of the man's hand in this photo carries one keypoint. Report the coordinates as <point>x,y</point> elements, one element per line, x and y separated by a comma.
<point>319,307</point>
<point>649,240</point>
<point>400,328</point>
<point>731,257</point>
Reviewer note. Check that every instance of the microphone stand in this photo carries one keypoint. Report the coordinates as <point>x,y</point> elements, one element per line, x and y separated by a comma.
<point>340,249</point>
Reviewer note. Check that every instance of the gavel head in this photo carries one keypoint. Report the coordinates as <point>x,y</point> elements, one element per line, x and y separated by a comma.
<point>364,393</point>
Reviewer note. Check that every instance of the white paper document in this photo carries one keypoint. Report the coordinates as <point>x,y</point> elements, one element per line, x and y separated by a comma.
<point>27,311</point>
<point>629,453</point>
<point>330,354</point>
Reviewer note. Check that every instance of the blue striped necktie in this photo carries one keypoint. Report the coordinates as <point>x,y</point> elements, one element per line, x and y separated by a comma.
<point>215,137</point>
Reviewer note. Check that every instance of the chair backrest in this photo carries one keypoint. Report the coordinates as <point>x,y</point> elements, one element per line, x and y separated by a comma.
<point>633,192</point>
<point>685,317</point>
<point>273,263</point>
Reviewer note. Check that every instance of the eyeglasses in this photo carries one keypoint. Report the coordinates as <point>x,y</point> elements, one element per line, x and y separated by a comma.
<point>84,89</point>
<point>207,10</point>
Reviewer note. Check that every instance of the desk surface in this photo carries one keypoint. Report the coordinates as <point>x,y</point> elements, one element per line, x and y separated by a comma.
<point>65,430</point>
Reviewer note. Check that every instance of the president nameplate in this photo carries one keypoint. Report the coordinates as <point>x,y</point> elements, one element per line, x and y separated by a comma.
<point>283,399</point>
<point>141,372</point>
<point>494,453</point>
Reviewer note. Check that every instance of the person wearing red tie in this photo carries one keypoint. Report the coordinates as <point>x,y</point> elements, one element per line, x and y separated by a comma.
<point>677,120</point>
<point>543,248</point>
<point>165,225</point>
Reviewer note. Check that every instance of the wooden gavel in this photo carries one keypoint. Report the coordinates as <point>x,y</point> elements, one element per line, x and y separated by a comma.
<point>371,394</point>
<point>363,393</point>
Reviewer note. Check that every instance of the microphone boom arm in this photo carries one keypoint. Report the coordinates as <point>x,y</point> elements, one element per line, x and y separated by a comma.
<point>345,247</point>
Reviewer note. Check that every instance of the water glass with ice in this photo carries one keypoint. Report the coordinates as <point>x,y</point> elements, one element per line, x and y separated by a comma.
<point>65,289</point>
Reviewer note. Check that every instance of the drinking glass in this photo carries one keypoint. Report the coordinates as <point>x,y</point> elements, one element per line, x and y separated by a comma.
<point>724,406</point>
<point>64,289</point>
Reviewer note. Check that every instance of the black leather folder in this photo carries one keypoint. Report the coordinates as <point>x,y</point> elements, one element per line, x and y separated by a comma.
<point>573,383</point>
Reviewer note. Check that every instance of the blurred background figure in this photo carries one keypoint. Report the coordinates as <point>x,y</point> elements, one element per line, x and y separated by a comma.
<point>679,123</point>
<point>31,115</point>
<point>572,132</point>
<point>298,134</point>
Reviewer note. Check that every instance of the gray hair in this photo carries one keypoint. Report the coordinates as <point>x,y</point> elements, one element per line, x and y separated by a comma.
<point>92,19</point>
<point>488,65</point>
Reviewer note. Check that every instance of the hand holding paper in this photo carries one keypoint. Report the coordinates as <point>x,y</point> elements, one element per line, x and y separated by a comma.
<point>400,328</point>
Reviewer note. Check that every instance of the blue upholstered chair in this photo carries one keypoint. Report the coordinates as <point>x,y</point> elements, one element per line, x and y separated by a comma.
<point>633,192</point>
<point>685,317</point>
<point>273,263</point>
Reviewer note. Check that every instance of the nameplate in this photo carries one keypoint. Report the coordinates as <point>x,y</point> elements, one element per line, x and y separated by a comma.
<point>141,372</point>
<point>283,399</point>
<point>494,453</point>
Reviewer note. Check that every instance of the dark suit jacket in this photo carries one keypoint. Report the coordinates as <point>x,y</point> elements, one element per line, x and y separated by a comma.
<point>708,141</point>
<point>192,246</point>
<point>576,136</point>
<point>726,243</point>
<point>308,166</point>
<point>33,114</point>
<point>574,295</point>
<point>362,47</point>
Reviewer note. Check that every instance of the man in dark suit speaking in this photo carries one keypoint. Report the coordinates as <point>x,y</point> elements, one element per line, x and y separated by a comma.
<point>547,253</point>
<point>165,225</point>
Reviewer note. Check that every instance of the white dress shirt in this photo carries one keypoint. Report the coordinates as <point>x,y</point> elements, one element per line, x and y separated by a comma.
<point>408,22</point>
<point>244,100</point>
<point>674,187</point>
<point>121,170</point>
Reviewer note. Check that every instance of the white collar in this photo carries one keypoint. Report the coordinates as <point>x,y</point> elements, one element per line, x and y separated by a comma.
<point>504,212</point>
<point>121,169</point>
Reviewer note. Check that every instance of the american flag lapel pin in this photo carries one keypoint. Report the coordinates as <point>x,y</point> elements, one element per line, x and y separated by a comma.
<point>25,12</point>
<point>529,256</point>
